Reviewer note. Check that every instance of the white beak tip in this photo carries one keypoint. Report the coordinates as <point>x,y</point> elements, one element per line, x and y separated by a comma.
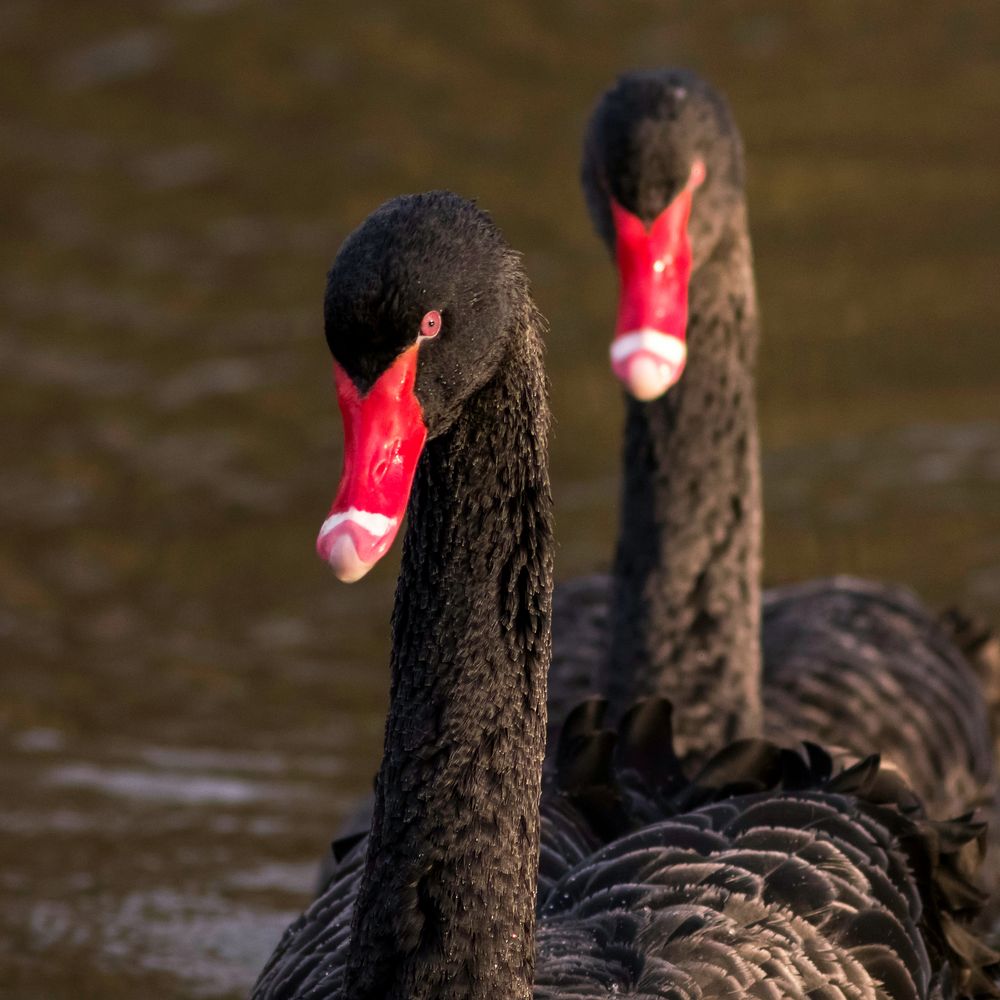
<point>648,379</point>
<point>343,559</point>
<point>648,362</point>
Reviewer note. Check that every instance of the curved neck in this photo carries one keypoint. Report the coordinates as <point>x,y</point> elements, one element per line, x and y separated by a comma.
<point>686,604</point>
<point>447,903</point>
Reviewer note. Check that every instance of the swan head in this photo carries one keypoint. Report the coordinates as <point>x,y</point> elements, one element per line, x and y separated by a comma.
<point>662,173</point>
<point>418,311</point>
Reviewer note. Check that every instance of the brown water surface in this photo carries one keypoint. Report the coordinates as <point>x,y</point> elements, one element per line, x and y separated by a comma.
<point>189,701</point>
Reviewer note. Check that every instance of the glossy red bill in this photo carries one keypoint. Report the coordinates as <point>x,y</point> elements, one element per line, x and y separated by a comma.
<point>384,434</point>
<point>649,349</point>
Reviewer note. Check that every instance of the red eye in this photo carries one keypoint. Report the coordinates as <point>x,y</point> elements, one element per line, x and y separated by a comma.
<point>430,325</point>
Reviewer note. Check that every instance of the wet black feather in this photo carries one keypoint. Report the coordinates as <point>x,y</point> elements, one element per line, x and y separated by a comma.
<point>814,890</point>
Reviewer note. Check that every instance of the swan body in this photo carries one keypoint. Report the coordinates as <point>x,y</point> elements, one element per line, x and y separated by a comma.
<point>767,875</point>
<point>857,665</point>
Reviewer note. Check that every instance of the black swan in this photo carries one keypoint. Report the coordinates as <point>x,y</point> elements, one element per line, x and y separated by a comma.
<point>845,662</point>
<point>767,877</point>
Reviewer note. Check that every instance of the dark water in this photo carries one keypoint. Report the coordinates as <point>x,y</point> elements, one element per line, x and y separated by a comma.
<point>189,701</point>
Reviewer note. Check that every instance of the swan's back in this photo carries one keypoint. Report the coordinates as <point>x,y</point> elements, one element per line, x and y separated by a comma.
<point>864,666</point>
<point>789,895</point>
<point>821,886</point>
<point>769,876</point>
<point>848,663</point>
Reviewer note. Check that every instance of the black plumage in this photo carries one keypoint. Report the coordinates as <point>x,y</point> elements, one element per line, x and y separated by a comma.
<point>851,658</point>
<point>859,665</point>
<point>771,876</point>
<point>766,876</point>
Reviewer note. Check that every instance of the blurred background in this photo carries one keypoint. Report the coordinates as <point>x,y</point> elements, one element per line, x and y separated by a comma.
<point>189,702</point>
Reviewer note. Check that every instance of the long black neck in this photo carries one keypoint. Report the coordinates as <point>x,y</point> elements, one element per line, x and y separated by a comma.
<point>686,605</point>
<point>446,907</point>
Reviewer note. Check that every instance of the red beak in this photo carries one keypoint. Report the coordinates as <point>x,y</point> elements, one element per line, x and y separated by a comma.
<point>384,434</point>
<point>649,349</point>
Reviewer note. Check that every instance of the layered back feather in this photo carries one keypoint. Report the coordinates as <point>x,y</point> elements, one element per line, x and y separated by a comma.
<point>772,874</point>
<point>769,875</point>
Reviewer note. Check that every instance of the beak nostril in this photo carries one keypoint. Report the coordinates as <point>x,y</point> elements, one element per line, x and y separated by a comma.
<point>385,462</point>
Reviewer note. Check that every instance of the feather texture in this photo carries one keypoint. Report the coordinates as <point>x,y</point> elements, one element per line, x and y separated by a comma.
<point>818,882</point>
<point>841,655</point>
